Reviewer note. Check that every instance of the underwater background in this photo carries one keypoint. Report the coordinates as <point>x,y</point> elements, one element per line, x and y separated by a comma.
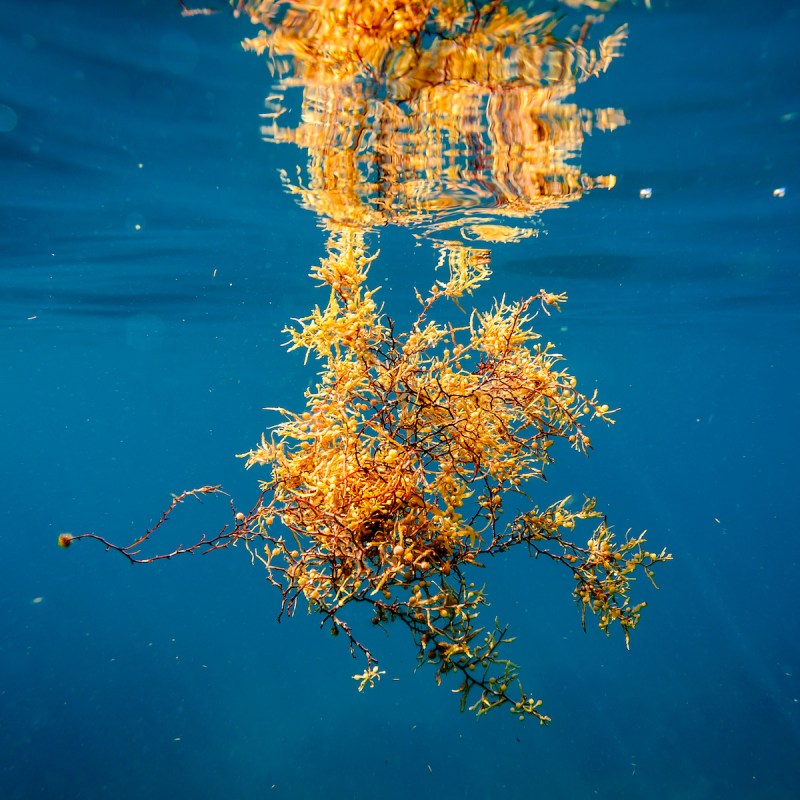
<point>149,260</point>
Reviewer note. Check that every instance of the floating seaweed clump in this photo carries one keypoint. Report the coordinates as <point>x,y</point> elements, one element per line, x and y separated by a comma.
<point>417,453</point>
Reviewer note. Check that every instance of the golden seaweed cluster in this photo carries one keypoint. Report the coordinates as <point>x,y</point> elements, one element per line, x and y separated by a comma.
<point>392,484</point>
<point>415,457</point>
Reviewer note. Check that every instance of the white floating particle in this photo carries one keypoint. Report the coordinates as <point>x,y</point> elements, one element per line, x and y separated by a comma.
<point>646,193</point>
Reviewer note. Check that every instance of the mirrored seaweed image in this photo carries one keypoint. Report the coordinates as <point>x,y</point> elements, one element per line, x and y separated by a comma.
<point>417,453</point>
<point>460,124</point>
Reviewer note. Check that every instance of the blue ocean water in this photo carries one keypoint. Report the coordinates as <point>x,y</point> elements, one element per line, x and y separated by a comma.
<point>149,260</point>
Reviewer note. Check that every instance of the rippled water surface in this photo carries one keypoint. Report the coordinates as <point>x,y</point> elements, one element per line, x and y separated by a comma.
<point>149,260</point>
